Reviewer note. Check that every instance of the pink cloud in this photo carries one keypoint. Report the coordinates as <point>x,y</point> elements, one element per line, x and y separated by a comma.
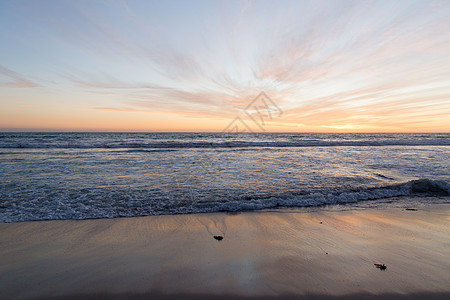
<point>9,78</point>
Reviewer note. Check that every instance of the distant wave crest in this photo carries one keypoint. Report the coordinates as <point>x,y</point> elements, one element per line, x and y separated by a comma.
<point>219,145</point>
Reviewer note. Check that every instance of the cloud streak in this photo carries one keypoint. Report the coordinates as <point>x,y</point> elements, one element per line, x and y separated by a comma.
<point>9,78</point>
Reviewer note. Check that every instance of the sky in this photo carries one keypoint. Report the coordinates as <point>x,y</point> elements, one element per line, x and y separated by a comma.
<point>275,66</point>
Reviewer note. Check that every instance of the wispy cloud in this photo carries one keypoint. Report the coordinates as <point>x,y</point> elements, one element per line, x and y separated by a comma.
<point>326,64</point>
<point>9,78</point>
<point>108,82</point>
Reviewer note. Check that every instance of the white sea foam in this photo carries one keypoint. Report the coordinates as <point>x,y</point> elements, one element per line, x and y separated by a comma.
<point>91,204</point>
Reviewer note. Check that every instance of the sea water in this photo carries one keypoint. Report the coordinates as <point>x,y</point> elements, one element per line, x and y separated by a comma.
<point>106,175</point>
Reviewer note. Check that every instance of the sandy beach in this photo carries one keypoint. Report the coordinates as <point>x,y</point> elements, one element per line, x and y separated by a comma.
<point>291,254</point>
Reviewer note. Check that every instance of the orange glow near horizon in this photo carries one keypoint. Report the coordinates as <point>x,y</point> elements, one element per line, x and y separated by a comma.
<point>23,117</point>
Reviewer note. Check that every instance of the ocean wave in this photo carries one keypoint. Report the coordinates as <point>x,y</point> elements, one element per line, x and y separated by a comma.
<point>423,187</point>
<point>220,145</point>
<point>214,140</point>
<point>90,204</point>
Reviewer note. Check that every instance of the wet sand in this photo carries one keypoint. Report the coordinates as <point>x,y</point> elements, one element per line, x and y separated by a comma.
<point>291,254</point>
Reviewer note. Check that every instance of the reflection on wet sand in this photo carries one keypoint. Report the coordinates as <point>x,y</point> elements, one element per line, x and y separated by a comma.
<point>262,254</point>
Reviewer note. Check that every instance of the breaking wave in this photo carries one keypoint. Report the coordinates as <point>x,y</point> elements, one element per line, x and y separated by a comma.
<point>98,203</point>
<point>231,144</point>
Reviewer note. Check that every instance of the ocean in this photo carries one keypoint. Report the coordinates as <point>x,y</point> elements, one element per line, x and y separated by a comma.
<point>45,176</point>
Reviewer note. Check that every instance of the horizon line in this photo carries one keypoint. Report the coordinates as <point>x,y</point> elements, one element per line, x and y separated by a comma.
<point>232,132</point>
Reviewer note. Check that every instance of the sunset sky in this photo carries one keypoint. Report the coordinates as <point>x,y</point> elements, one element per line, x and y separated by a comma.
<point>328,66</point>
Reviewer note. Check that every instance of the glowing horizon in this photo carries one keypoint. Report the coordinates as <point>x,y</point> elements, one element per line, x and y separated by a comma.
<point>341,66</point>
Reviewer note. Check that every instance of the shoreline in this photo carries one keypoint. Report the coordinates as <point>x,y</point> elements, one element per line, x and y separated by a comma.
<point>287,254</point>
